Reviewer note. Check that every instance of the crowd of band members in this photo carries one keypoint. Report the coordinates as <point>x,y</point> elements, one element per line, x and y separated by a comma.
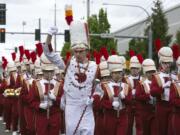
<point>36,98</point>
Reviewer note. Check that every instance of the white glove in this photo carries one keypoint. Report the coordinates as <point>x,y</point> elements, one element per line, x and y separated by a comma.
<point>122,95</point>
<point>5,94</point>
<point>52,96</point>
<point>167,84</point>
<point>43,105</point>
<point>63,102</point>
<point>53,30</point>
<point>115,104</point>
<point>89,101</point>
<point>133,92</point>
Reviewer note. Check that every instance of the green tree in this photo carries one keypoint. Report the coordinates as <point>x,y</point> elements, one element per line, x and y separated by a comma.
<point>99,24</point>
<point>65,49</point>
<point>159,27</point>
<point>160,24</point>
<point>139,46</point>
<point>178,37</point>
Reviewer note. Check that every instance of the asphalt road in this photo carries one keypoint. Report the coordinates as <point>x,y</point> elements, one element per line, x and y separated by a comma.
<point>2,127</point>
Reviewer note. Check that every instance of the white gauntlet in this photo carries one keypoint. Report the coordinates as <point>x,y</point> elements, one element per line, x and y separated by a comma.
<point>53,30</point>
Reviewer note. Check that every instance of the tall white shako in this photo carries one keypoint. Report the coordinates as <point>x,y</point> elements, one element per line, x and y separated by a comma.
<point>79,35</point>
<point>76,93</point>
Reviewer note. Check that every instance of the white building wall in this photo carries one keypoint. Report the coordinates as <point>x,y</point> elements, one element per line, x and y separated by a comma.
<point>173,17</point>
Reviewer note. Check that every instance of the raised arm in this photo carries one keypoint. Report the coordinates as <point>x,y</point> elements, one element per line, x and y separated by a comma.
<point>48,51</point>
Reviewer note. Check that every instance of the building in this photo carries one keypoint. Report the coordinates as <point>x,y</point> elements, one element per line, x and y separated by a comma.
<point>137,29</point>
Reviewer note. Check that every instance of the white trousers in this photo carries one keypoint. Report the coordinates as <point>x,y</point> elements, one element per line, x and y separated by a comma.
<point>72,116</point>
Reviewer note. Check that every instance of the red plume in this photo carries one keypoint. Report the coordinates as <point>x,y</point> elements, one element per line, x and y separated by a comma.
<point>158,44</point>
<point>39,49</point>
<point>176,51</point>
<point>21,51</point>
<point>131,53</point>
<point>140,58</point>
<point>113,52</point>
<point>69,19</point>
<point>68,14</point>
<point>20,59</point>
<point>98,58</point>
<point>27,53</point>
<point>3,58</point>
<point>94,54</point>
<point>88,55</point>
<point>104,52</point>
<point>68,56</point>
<point>116,91</point>
<point>4,63</point>
<point>33,56</point>
<point>13,56</point>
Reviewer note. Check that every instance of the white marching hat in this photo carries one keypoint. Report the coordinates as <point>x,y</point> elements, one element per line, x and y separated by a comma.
<point>134,62</point>
<point>165,54</point>
<point>148,65</point>
<point>79,35</point>
<point>25,60</point>
<point>46,64</point>
<point>17,62</point>
<point>11,67</point>
<point>123,60</point>
<point>38,71</point>
<point>23,67</point>
<point>115,64</point>
<point>104,71</point>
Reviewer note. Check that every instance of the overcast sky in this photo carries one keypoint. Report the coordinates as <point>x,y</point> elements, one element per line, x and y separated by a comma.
<point>30,10</point>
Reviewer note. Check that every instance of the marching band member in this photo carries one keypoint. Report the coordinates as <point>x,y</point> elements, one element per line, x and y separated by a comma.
<point>133,110</point>
<point>78,81</point>
<point>116,96</point>
<point>175,100</point>
<point>99,110</point>
<point>147,102</point>
<point>160,88</point>
<point>9,95</point>
<point>45,99</point>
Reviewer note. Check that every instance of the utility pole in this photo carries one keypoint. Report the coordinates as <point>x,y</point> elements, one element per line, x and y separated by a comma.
<point>40,28</point>
<point>55,10</point>
<point>150,33</point>
<point>88,9</point>
<point>23,24</point>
